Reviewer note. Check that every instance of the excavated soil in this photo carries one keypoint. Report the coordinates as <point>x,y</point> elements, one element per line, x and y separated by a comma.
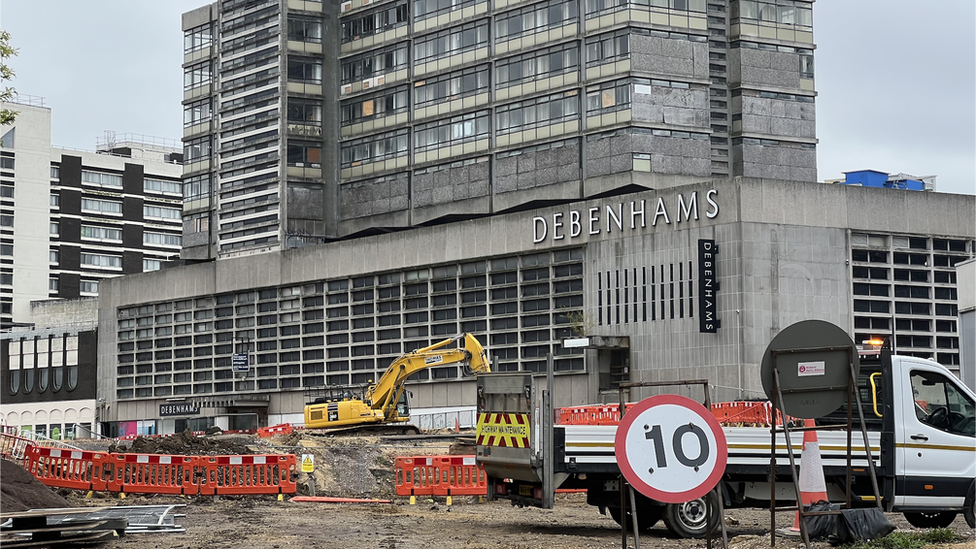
<point>185,444</point>
<point>20,491</point>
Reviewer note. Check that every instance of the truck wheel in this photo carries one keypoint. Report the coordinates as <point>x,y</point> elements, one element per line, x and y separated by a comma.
<point>967,511</point>
<point>687,520</point>
<point>931,520</point>
<point>647,516</point>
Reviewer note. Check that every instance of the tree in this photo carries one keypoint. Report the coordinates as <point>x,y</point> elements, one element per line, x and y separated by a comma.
<point>7,116</point>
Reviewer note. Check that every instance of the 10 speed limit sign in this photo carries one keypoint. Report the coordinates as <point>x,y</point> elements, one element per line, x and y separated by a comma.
<point>671,448</point>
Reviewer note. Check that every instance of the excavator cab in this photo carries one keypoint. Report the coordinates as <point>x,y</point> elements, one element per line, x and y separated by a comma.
<point>402,406</point>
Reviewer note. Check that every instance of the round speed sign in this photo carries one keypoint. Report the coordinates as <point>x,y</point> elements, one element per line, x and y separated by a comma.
<point>671,448</point>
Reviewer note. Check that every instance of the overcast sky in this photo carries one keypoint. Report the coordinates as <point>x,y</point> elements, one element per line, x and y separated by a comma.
<point>895,78</point>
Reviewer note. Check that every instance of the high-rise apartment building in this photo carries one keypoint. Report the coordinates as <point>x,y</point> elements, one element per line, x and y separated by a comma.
<point>69,219</point>
<point>308,121</point>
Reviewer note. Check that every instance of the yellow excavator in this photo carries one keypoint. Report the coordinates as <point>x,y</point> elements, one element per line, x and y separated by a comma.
<point>385,402</point>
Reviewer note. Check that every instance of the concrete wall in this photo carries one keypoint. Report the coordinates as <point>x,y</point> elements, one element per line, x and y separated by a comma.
<point>665,57</point>
<point>54,313</point>
<point>966,283</point>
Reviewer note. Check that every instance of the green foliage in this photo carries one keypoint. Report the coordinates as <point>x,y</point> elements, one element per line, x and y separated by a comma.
<point>7,116</point>
<point>906,540</point>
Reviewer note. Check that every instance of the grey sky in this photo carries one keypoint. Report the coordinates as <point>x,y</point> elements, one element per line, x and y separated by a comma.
<point>896,78</point>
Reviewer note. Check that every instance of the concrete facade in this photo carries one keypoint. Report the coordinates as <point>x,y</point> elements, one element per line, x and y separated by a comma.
<point>624,268</point>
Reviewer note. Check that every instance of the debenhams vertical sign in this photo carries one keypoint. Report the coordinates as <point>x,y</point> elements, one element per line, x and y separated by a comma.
<point>619,217</point>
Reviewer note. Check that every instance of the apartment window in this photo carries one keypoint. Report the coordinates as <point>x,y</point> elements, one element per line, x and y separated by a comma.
<point>160,186</point>
<point>55,228</point>
<point>196,76</point>
<point>360,109</point>
<point>7,163</point>
<point>542,111</point>
<point>451,41</point>
<point>451,86</point>
<point>375,148</point>
<point>101,260</point>
<point>197,38</point>
<point>52,256</point>
<point>304,70</point>
<point>608,97</point>
<point>101,233</point>
<point>52,284</point>
<point>806,65</point>
<point>304,154</point>
<point>422,9</point>
<point>161,212</point>
<point>301,29</point>
<point>608,48</point>
<point>197,149</point>
<point>304,112</point>
<point>6,279</point>
<point>597,7</point>
<point>537,65</point>
<point>376,62</point>
<point>374,22</point>
<point>196,187</point>
<point>197,112</point>
<point>532,19</point>
<point>149,265</point>
<point>6,249</point>
<point>459,129</point>
<point>7,191</point>
<point>780,12</point>
<point>100,206</point>
<point>101,179</point>
<point>162,239</point>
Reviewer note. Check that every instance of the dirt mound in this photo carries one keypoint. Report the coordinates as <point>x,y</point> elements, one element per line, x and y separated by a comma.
<point>20,491</point>
<point>185,444</point>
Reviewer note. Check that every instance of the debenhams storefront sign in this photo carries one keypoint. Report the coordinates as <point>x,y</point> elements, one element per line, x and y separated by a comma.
<point>620,217</point>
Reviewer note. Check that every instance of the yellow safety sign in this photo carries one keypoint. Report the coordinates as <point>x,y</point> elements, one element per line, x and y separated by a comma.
<point>308,463</point>
<point>504,430</point>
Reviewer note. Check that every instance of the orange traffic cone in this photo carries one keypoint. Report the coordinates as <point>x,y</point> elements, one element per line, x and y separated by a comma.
<point>457,425</point>
<point>813,486</point>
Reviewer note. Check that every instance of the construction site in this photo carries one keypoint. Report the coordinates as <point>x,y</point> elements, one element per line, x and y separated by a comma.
<point>353,489</point>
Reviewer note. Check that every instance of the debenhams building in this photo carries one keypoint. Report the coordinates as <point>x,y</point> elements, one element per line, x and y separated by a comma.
<point>690,282</point>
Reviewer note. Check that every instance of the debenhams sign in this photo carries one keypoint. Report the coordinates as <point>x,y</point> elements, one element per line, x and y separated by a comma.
<point>620,217</point>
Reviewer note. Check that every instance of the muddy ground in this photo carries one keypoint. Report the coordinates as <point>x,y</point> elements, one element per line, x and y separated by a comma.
<point>262,522</point>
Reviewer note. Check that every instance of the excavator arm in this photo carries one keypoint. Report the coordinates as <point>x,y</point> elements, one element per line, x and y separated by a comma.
<point>387,390</point>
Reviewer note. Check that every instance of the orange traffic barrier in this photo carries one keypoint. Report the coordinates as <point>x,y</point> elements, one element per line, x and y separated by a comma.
<point>414,476</point>
<point>459,475</point>
<point>235,475</point>
<point>727,413</point>
<point>150,474</point>
<point>66,468</point>
<point>282,429</point>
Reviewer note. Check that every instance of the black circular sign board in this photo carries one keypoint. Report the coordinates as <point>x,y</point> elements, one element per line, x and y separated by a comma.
<point>812,356</point>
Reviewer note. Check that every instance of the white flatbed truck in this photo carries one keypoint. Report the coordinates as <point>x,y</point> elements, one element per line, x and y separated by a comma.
<point>918,416</point>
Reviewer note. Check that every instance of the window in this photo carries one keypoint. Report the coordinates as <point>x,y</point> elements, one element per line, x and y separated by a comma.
<point>535,18</point>
<point>197,38</point>
<point>940,404</point>
<point>780,12</point>
<point>101,179</point>
<point>375,62</point>
<point>100,233</point>
<point>451,41</point>
<point>196,112</point>
<point>537,65</point>
<point>52,284</point>
<point>101,206</point>
<point>374,22</point>
<point>453,131</point>
<point>375,148</point>
<point>304,154</point>
<point>305,113</point>
<point>7,191</point>
<point>390,102</point>
<point>607,48</point>
<point>89,286</point>
<point>423,9</point>
<point>8,220</point>
<point>196,149</point>
<point>806,66</point>
<point>6,279</point>
<point>597,7</point>
<point>101,260</point>
<point>161,212</point>
<point>160,186</point>
<point>151,265</point>
<point>304,30</point>
<point>52,256</point>
<point>6,249</point>
<point>6,163</point>
<point>162,239</point>
<point>304,70</point>
<point>196,187</point>
<point>608,97</point>
<point>196,76</point>
<point>55,228</point>
<point>538,112</point>
<point>451,86</point>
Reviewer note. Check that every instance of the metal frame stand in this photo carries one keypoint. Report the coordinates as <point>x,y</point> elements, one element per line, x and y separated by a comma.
<point>853,397</point>
<point>630,489</point>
